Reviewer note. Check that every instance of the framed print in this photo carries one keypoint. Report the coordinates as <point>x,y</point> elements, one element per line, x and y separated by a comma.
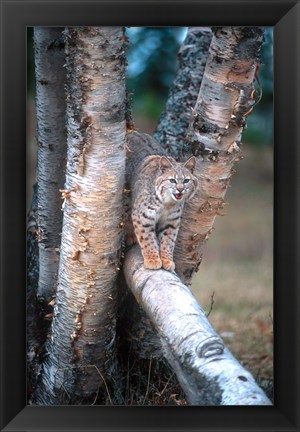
<point>19,410</point>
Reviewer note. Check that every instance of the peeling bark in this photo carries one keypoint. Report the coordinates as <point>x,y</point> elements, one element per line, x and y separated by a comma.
<point>81,364</point>
<point>227,96</point>
<point>52,149</point>
<point>206,370</point>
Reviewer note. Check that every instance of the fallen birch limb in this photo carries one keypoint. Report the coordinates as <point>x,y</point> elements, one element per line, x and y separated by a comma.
<point>207,371</point>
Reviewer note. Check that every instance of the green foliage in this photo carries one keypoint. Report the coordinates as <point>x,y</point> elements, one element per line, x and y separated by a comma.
<point>152,64</point>
<point>150,105</point>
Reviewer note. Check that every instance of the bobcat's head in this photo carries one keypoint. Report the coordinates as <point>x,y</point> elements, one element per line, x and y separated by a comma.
<point>176,181</point>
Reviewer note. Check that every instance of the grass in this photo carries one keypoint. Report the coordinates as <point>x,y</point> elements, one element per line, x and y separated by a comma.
<point>237,267</point>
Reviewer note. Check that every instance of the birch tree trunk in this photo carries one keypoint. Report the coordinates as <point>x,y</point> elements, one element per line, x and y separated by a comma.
<point>174,122</point>
<point>35,323</point>
<point>52,150</point>
<point>45,221</point>
<point>81,363</point>
<point>227,96</point>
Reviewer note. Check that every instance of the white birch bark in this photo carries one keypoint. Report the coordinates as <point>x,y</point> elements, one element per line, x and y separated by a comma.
<point>52,149</point>
<point>207,371</point>
<point>226,97</point>
<point>81,364</point>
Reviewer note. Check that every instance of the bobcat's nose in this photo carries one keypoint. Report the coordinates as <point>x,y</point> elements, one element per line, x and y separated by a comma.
<point>180,187</point>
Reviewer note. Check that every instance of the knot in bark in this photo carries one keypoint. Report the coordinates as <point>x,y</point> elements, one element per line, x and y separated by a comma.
<point>211,346</point>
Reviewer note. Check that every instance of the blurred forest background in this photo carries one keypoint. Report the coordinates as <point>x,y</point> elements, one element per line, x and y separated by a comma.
<point>235,280</point>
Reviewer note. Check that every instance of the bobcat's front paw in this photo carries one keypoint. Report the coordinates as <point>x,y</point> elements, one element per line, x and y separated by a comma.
<point>168,264</point>
<point>152,263</point>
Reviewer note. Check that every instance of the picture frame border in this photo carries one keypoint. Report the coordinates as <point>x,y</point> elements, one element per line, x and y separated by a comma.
<point>16,16</point>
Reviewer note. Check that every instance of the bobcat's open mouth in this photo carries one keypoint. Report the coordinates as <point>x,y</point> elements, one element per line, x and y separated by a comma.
<point>178,196</point>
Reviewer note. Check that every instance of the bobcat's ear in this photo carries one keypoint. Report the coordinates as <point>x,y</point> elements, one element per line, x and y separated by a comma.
<point>165,163</point>
<point>191,164</point>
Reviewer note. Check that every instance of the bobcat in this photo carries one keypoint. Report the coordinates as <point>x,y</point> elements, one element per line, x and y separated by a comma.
<point>159,187</point>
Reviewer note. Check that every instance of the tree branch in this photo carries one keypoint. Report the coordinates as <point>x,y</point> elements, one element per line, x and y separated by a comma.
<point>206,370</point>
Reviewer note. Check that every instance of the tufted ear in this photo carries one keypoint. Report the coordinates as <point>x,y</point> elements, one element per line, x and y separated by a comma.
<point>165,163</point>
<point>191,164</point>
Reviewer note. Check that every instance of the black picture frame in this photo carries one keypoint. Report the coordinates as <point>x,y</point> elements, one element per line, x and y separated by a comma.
<point>16,16</point>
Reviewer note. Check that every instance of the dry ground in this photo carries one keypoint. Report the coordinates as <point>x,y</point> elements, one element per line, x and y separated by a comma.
<point>237,269</point>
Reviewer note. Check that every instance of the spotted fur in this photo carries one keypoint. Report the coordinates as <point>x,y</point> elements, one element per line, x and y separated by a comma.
<point>159,188</point>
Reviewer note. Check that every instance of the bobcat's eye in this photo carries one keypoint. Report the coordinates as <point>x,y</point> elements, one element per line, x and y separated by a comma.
<point>172,180</point>
<point>186,180</point>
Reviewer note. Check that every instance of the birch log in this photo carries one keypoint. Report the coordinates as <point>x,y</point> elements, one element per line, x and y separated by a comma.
<point>81,364</point>
<point>206,370</point>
